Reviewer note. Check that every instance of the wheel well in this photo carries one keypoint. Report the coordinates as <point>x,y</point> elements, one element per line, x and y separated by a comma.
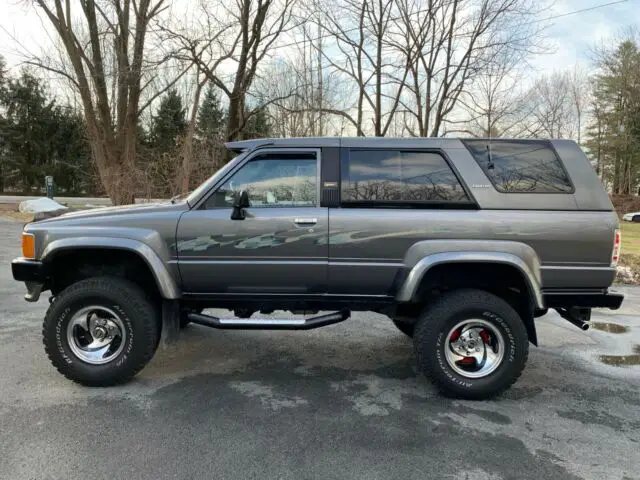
<point>504,281</point>
<point>70,266</point>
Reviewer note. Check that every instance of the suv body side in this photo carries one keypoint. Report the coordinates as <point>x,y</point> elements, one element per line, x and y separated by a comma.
<point>571,233</point>
<point>324,249</point>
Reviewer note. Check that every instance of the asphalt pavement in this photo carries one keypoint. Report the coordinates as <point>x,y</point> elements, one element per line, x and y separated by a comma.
<point>341,402</point>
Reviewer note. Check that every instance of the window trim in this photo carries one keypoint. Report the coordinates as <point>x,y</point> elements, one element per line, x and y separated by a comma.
<point>547,143</point>
<point>470,204</point>
<point>259,152</point>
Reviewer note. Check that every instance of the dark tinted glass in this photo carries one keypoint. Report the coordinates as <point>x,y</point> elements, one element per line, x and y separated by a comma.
<point>521,167</point>
<point>395,176</point>
<point>274,181</point>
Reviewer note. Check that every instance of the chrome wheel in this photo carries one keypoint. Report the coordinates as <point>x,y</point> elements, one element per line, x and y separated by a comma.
<point>474,348</point>
<point>96,335</point>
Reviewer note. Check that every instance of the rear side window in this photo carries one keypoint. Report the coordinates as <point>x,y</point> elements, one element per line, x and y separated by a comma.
<point>521,167</point>
<point>382,176</point>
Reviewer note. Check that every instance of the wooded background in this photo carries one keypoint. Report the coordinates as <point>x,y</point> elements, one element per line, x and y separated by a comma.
<point>135,98</point>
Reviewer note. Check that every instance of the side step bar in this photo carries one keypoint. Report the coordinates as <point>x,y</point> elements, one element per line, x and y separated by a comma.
<point>270,323</point>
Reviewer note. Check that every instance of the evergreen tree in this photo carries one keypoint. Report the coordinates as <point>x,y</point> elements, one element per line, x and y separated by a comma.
<point>614,132</point>
<point>27,131</point>
<point>211,117</point>
<point>258,125</point>
<point>70,153</point>
<point>40,138</point>
<point>2,124</point>
<point>3,72</point>
<point>169,123</point>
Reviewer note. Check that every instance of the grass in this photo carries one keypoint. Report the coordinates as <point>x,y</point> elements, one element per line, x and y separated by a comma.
<point>630,238</point>
<point>24,217</point>
<point>630,257</point>
<point>11,211</point>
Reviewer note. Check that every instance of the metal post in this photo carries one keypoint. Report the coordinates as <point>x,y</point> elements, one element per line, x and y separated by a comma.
<point>48,182</point>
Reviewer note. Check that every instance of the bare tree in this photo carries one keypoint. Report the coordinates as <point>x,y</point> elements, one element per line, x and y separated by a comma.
<point>579,85</point>
<point>93,33</point>
<point>557,104</point>
<point>447,43</point>
<point>494,101</point>
<point>359,31</point>
<point>233,41</point>
<point>187,147</point>
<point>307,90</point>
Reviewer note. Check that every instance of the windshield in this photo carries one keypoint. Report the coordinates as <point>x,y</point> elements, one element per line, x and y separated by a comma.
<point>207,184</point>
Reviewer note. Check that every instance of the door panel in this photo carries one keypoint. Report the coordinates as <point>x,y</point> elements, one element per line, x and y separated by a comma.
<point>281,244</point>
<point>266,252</point>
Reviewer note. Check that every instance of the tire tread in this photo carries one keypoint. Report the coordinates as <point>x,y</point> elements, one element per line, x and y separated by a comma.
<point>129,294</point>
<point>445,306</point>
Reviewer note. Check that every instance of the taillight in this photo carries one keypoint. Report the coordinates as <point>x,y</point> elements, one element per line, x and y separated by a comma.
<point>617,243</point>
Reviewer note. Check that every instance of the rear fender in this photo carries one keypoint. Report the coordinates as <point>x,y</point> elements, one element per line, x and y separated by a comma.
<point>424,255</point>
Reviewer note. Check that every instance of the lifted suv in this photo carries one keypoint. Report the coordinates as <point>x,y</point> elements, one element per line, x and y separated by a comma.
<point>462,243</point>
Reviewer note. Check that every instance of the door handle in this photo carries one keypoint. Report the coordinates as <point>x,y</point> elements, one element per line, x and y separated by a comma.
<point>305,221</point>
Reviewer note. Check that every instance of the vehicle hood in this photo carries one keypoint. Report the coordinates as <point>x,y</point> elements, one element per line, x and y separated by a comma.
<point>119,211</point>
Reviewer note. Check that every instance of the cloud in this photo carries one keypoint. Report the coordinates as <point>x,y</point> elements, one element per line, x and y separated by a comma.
<point>573,37</point>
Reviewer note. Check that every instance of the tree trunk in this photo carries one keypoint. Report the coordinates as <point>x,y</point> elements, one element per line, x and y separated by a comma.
<point>616,174</point>
<point>187,152</point>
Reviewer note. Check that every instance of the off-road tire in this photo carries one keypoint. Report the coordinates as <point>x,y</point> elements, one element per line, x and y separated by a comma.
<point>405,327</point>
<point>437,321</point>
<point>138,314</point>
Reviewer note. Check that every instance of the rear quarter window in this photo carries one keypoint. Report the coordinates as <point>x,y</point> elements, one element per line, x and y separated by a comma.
<point>394,176</point>
<point>521,166</point>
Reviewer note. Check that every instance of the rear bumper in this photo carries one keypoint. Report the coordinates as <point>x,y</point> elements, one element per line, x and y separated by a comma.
<point>32,273</point>
<point>584,299</point>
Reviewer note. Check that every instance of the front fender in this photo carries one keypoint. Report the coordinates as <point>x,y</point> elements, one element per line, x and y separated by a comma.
<point>165,282</point>
<point>424,255</point>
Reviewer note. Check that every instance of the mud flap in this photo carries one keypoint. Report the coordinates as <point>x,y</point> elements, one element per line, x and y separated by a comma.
<point>170,323</point>
<point>528,317</point>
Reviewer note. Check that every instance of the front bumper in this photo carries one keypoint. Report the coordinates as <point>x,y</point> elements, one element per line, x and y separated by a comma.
<point>32,273</point>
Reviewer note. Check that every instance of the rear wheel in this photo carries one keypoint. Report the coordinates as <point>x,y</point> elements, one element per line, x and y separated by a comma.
<point>472,344</point>
<point>101,331</point>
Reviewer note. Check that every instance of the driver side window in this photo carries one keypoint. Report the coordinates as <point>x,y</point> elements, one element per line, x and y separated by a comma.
<point>277,180</point>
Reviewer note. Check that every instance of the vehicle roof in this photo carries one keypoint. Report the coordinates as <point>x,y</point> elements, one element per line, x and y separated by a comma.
<point>358,142</point>
<point>362,142</point>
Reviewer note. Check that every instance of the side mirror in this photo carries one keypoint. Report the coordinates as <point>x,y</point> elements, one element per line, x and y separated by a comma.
<point>241,202</point>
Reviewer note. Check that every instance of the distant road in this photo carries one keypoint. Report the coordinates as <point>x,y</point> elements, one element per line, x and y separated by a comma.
<point>65,200</point>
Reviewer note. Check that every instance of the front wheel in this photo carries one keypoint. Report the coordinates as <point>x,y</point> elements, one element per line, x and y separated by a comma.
<point>100,331</point>
<point>472,344</point>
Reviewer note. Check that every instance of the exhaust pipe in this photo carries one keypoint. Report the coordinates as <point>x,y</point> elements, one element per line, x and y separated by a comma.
<point>575,316</point>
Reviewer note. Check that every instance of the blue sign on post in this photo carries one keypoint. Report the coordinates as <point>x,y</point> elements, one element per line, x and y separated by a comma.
<point>48,182</point>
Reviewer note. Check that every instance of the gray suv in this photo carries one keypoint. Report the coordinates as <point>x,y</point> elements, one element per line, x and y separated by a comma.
<point>461,243</point>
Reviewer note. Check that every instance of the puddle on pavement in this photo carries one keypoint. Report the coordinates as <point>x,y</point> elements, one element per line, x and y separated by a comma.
<point>621,360</point>
<point>609,327</point>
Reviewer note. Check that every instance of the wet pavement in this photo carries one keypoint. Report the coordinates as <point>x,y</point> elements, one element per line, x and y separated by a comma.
<point>342,402</point>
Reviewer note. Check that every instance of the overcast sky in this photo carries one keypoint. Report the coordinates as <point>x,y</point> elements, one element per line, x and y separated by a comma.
<point>571,36</point>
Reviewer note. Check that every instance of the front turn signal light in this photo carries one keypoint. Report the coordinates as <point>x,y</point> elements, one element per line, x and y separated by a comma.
<point>28,245</point>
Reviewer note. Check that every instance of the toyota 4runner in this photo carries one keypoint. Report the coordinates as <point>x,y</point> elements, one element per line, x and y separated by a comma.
<point>461,243</point>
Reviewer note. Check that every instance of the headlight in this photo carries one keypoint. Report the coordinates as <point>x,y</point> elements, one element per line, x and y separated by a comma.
<point>28,245</point>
